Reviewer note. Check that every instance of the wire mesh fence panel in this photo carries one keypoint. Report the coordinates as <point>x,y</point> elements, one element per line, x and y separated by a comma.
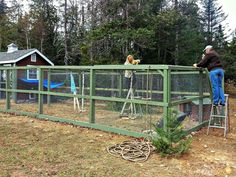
<point>2,86</point>
<point>60,80</point>
<point>2,103</point>
<point>189,113</point>
<point>69,108</point>
<point>25,102</point>
<point>128,99</point>
<point>140,85</point>
<point>147,85</point>
<point>25,79</point>
<point>68,81</point>
<point>183,85</point>
<point>107,83</point>
<point>187,85</point>
<point>128,116</point>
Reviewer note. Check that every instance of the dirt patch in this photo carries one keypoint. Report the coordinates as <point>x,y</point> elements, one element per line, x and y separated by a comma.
<point>31,147</point>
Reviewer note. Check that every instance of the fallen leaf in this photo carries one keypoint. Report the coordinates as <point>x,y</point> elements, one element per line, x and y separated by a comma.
<point>140,164</point>
<point>228,170</point>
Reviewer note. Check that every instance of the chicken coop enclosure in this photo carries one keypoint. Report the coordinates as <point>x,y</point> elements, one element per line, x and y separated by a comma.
<point>100,97</point>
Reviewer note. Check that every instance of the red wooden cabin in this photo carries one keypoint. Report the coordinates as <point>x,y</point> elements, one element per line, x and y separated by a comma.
<point>15,57</point>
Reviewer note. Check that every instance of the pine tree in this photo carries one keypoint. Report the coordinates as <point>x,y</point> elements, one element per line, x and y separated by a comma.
<point>4,21</point>
<point>228,59</point>
<point>172,141</point>
<point>44,22</point>
<point>220,38</point>
<point>212,17</point>
<point>191,38</point>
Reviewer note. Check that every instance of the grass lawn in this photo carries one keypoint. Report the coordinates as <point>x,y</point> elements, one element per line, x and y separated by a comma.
<point>31,147</point>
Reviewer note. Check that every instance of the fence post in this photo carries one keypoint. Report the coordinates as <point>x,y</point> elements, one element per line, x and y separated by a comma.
<point>40,88</point>
<point>120,84</point>
<point>166,97</point>
<point>200,106</point>
<point>14,84</point>
<point>8,98</point>
<point>49,89</point>
<point>80,82</point>
<point>91,94</point>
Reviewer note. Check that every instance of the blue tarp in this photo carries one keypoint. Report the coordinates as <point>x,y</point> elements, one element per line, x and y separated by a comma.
<point>45,83</point>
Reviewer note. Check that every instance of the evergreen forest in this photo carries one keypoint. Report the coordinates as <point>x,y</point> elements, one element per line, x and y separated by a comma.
<point>89,32</point>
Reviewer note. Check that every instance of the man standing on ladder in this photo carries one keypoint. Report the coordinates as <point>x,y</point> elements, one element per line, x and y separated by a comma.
<point>212,62</point>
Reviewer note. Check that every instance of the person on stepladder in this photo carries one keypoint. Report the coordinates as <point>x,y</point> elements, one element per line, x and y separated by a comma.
<point>129,74</point>
<point>211,61</point>
<point>130,81</point>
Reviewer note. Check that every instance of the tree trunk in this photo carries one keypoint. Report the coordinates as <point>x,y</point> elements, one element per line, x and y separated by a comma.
<point>82,16</point>
<point>176,37</point>
<point>126,15</point>
<point>93,20</point>
<point>209,21</point>
<point>0,42</point>
<point>42,41</point>
<point>93,24</point>
<point>66,57</point>
<point>27,40</point>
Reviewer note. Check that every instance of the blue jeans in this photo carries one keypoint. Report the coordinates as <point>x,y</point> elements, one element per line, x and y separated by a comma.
<point>216,77</point>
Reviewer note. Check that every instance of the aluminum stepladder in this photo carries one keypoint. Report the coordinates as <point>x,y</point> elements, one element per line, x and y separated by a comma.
<point>132,106</point>
<point>219,117</point>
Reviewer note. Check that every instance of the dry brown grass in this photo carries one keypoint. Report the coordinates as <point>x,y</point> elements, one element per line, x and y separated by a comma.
<point>31,147</point>
<point>230,89</point>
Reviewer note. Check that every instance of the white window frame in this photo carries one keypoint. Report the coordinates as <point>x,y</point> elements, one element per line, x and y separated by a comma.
<point>4,75</point>
<point>33,57</point>
<point>32,96</point>
<point>28,73</point>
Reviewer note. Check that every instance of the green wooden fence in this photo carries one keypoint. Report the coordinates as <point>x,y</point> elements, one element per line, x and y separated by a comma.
<point>165,71</point>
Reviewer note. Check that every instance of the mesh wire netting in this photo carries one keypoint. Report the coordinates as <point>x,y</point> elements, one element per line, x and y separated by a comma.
<point>184,85</point>
<point>2,86</point>
<point>125,115</point>
<point>147,85</point>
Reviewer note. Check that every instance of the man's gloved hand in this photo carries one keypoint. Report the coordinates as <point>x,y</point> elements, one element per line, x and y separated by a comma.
<point>195,65</point>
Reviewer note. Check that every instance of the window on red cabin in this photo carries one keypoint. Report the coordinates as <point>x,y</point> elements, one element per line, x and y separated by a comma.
<point>33,57</point>
<point>32,74</point>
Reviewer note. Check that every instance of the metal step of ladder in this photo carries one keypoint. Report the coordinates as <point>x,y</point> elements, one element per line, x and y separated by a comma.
<point>219,117</point>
